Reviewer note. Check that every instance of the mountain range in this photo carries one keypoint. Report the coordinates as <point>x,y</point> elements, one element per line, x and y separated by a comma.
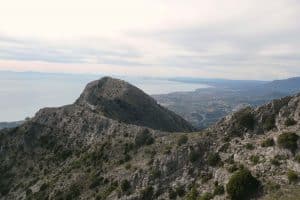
<point>116,142</point>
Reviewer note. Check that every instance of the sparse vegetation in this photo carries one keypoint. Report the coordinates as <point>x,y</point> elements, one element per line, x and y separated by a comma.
<point>242,185</point>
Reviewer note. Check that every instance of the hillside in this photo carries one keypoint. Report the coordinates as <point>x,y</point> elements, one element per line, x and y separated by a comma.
<point>79,152</point>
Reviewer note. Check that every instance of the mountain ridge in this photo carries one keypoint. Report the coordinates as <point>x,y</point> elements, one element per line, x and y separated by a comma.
<point>76,152</point>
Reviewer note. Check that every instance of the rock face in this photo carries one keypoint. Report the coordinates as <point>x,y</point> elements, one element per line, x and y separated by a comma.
<point>87,151</point>
<point>118,100</point>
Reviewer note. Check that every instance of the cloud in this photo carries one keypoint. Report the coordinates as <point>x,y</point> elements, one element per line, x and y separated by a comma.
<point>241,39</point>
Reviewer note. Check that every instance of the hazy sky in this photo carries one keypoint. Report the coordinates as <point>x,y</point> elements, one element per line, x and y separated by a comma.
<point>237,39</point>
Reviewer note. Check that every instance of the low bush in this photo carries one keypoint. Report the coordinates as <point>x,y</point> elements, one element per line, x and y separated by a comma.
<point>268,142</point>
<point>290,122</point>
<point>206,196</point>
<point>155,173</point>
<point>147,193</point>
<point>180,191</point>
<point>292,176</point>
<point>242,185</point>
<point>249,146</point>
<point>288,141</point>
<point>269,122</point>
<point>192,195</point>
<point>144,138</point>
<point>183,139</point>
<point>297,158</point>
<point>125,185</point>
<point>73,192</point>
<point>275,162</point>
<point>245,118</point>
<point>254,159</point>
<point>213,159</point>
<point>219,190</point>
<point>172,194</point>
<point>193,156</point>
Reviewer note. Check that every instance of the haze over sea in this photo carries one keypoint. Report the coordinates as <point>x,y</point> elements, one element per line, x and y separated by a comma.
<point>23,94</point>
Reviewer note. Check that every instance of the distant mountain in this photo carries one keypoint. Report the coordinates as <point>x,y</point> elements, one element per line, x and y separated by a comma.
<point>10,124</point>
<point>205,107</point>
<point>291,85</point>
<point>78,152</point>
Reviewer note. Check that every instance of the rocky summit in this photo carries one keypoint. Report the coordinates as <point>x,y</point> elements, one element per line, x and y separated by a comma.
<point>115,142</point>
<point>119,100</point>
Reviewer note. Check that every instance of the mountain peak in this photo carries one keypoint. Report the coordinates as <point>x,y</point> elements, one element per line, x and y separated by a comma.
<point>119,100</point>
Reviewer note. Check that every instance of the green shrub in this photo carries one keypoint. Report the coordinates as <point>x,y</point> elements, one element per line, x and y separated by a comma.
<point>268,142</point>
<point>95,181</point>
<point>246,119</point>
<point>224,147</point>
<point>213,159</point>
<point>183,139</point>
<point>232,168</point>
<point>249,146</point>
<point>242,185</point>
<point>180,191</point>
<point>144,138</point>
<point>269,123</point>
<point>297,158</point>
<point>193,156</point>
<point>155,173</point>
<point>292,176</point>
<point>172,194</point>
<point>192,195</point>
<point>127,166</point>
<point>275,162</point>
<point>206,177</point>
<point>290,122</point>
<point>125,185</point>
<point>147,193</point>
<point>288,141</point>
<point>44,186</point>
<point>219,190</point>
<point>167,150</point>
<point>206,196</point>
<point>254,159</point>
<point>73,192</point>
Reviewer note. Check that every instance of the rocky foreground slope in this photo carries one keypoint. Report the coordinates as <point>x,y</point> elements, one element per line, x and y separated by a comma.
<point>88,151</point>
